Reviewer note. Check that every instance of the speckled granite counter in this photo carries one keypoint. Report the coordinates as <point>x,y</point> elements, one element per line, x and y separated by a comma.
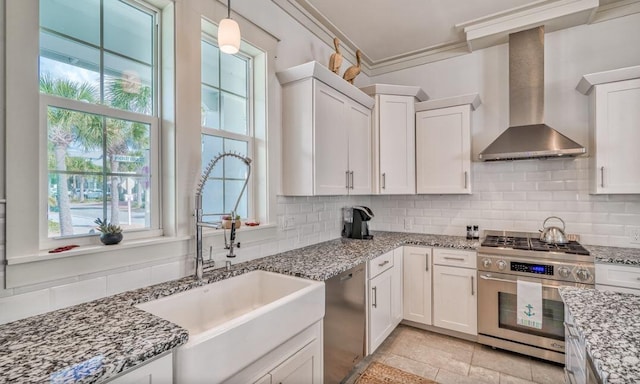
<point>615,255</point>
<point>609,322</point>
<point>95,341</point>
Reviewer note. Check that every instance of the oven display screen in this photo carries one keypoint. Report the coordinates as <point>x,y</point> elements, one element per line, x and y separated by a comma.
<point>539,269</point>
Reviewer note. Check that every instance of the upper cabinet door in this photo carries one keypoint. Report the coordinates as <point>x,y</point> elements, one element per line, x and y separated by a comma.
<point>359,128</point>
<point>615,133</point>
<point>443,150</point>
<point>397,143</point>
<point>331,110</point>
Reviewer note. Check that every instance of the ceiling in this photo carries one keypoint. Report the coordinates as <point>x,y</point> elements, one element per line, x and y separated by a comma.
<point>396,34</point>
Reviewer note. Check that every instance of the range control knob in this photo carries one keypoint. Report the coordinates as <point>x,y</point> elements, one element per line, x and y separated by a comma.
<point>502,265</point>
<point>564,272</point>
<point>583,274</point>
<point>486,263</point>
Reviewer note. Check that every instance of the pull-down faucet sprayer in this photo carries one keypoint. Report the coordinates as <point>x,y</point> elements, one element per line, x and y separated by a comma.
<point>198,211</point>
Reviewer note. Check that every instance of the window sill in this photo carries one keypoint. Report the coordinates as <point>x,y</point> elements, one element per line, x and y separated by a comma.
<point>94,249</point>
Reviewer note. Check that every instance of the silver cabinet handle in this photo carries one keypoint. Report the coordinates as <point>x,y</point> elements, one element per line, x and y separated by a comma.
<point>384,180</point>
<point>473,290</point>
<point>383,263</point>
<point>602,177</point>
<point>427,257</point>
<point>466,179</point>
<point>454,258</point>
<point>375,297</point>
<point>347,176</point>
<point>351,179</point>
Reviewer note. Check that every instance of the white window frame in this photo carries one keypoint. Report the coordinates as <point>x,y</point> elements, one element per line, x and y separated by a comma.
<point>250,137</point>
<point>47,101</point>
<point>153,120</point>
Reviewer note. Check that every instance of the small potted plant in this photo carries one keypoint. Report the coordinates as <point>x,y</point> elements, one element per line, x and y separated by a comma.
<point>111,234</point>
<point>226,221</point>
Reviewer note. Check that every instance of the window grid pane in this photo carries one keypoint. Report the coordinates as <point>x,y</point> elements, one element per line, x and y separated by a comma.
<point>225,106</point>
<point>98,166</point>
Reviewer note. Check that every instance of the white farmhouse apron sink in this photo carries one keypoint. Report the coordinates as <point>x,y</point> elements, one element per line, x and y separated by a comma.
<point>234,322</point>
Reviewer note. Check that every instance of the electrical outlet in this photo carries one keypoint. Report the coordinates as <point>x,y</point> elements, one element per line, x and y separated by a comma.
<point>408,224</point>
<point>635,236</point>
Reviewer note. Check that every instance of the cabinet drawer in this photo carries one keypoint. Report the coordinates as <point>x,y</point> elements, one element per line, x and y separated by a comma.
<point>618,275</point>
<point>454,257</point>
<point>380,264</point>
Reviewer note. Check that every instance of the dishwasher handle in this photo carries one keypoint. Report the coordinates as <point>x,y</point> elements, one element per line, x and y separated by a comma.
<point>346,277</point>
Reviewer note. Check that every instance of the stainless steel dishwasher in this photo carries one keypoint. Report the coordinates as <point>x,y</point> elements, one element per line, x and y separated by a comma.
<point>344,323</point>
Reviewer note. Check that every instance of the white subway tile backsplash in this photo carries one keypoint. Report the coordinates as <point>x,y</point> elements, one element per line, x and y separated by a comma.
<point>126,281</point>
<point>551,185</point>
<point>166,272</point>
<point>24,305</point>
<point>538,176</point>
<point>80,292</point>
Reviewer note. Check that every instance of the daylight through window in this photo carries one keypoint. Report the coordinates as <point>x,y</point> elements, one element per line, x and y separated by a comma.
<point>98,85</point>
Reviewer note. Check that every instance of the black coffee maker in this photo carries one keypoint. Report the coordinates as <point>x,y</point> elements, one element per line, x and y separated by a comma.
<point>355,222</point>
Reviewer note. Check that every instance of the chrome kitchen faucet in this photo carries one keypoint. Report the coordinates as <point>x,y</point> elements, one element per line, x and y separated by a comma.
<point>198,213</point>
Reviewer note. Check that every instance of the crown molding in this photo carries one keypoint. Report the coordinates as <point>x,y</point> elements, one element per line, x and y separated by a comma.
<point>480,33</point>
<point>614,10</point>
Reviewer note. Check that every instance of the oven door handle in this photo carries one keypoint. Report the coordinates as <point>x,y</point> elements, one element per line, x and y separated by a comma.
<point>488,277</point>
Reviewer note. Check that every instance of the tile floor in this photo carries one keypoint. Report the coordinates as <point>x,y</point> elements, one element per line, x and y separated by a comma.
<point>449,360</point>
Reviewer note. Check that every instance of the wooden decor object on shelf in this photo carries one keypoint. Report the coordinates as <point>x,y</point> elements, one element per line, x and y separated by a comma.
<point>354,70</point>
<point>335,61</point>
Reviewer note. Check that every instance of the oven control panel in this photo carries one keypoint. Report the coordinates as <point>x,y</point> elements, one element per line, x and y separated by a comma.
<point>535,267</point>
<point>539,269</point>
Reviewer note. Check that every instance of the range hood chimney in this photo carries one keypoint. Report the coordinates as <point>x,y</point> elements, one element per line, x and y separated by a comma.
<point>527,136</point>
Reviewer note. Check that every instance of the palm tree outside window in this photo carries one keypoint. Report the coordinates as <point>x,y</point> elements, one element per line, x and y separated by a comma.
<point>98,83</point>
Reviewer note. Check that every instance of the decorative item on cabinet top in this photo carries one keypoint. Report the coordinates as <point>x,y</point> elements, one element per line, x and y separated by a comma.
<point>321,73</point>
<point>353,71</point>
<point>335,60</point>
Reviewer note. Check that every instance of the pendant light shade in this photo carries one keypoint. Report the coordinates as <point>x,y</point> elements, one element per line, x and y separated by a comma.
<point>229,33</point>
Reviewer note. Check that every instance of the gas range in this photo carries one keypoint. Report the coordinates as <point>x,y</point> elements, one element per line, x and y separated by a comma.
<point>523,254</point>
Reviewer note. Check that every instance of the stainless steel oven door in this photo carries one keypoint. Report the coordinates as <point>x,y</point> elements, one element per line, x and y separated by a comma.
<point>497,306</point>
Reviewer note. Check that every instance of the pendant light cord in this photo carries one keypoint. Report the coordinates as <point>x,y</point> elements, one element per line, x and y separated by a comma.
<point>228,9</point>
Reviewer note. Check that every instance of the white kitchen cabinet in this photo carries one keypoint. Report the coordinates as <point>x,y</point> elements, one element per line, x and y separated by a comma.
<point>380,319</point>
<point>326,134</point>
<point>575,352</point>
<point>417,285</point>
<point>455,288</point>
<point>614,118</point>
<point>298,360</point>
<point>443,145</point>
<point>299,368</point>
<point>618,278</point>
<point>385,297</point>
<point>396,287</point>
<point>159,371</point>
<point>394,137</point>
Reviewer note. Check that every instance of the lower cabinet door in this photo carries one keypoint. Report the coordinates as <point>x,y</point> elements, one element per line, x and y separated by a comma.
<point>455,299</point>
<point>396,287</point>
<point>417,284</point>
<point>297,369</point>
<point>380,318</point>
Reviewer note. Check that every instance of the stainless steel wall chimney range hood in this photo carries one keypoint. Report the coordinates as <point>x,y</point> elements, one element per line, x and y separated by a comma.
<point>527,136</point>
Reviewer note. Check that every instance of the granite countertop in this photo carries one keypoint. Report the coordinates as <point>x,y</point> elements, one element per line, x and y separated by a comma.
<point>615,255</point>
<point>609,322</point>
<point>94,341</point>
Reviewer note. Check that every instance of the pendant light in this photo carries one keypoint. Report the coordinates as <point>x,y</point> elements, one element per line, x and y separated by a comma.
<point>229,33</point>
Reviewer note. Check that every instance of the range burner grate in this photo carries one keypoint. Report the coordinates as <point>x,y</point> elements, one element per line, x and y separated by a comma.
<point>531,244</point>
